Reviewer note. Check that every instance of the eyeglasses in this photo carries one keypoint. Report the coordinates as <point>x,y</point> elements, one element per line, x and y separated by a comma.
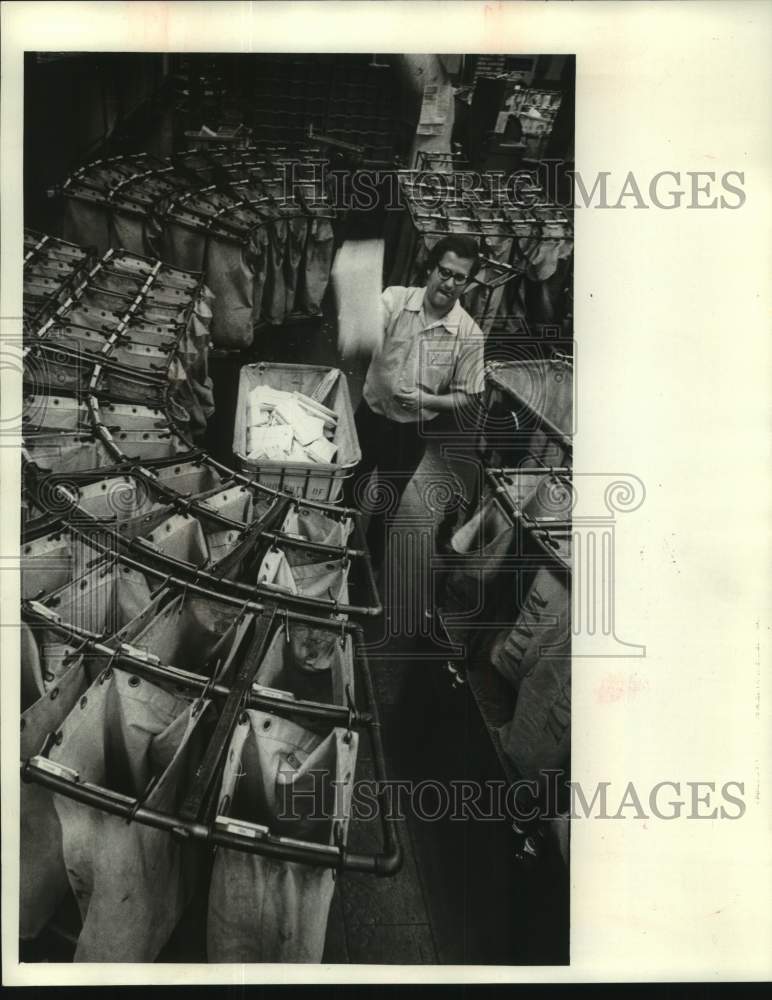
<point>458,279</point>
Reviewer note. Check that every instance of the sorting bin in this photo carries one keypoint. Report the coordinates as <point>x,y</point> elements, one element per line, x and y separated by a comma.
<point>312,480</point>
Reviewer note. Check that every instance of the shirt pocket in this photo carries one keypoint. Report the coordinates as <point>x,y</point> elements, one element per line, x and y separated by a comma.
<point>437,365</point>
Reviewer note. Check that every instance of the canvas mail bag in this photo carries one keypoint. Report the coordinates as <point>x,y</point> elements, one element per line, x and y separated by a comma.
<point>309,663</point>
<point>266,910</point>
<point>102,600</point>
<point>313,526</point>
<point>485,539</point>
<point>534,656</point>
<point>316,266</point>
<point>324,580</point>
<point>131,882</point>
<point>42,875</point>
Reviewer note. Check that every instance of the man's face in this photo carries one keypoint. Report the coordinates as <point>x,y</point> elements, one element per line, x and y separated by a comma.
<point>447,281</point>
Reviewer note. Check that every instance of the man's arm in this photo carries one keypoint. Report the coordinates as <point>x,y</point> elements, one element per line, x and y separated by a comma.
<point>420,399</point>
<point>390,299</point>
<point>445,403</point>
<point>466,382</point>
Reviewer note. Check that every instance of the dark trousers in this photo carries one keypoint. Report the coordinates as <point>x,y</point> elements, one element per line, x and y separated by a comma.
<point>394,451</point>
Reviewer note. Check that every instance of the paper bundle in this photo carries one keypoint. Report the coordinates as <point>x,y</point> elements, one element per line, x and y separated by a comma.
<point>289,426</point>
<point>305,427</point>
<point>273,442</point>
<point>357,277</point>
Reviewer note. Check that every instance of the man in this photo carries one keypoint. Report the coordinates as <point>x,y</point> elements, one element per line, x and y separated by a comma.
<point>431,362</point>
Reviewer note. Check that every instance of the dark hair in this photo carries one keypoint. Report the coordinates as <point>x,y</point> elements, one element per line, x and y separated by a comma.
<point>461,246</point>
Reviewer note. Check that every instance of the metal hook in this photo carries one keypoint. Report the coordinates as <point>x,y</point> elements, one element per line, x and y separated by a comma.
<point>351,715</point>
<point>142,798</point>
<point>75,653</point>
<point>107,672</point>
<point>50,740</point>
<point>184,593</point>
<point>205,691</point>
<point>337,871</point>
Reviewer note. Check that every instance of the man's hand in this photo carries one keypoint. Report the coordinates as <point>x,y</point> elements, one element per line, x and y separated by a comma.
<point>410,400</point>
<point>413,400</point>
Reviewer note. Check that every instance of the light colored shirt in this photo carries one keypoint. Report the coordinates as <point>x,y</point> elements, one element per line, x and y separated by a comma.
<point>437,355</point>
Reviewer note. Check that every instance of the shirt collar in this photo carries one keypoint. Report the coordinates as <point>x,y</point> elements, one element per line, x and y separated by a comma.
<point>450,320</point>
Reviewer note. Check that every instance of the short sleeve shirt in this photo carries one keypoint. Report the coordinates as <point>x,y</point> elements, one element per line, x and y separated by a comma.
<point>439,355</point>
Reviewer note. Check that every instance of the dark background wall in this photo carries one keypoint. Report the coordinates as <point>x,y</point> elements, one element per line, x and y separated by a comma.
<point>79,106</point>
<point>74,105</point>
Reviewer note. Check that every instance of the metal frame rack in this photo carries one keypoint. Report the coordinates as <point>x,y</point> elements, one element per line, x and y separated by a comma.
<point>434,210</point>
<point>83,398</point>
